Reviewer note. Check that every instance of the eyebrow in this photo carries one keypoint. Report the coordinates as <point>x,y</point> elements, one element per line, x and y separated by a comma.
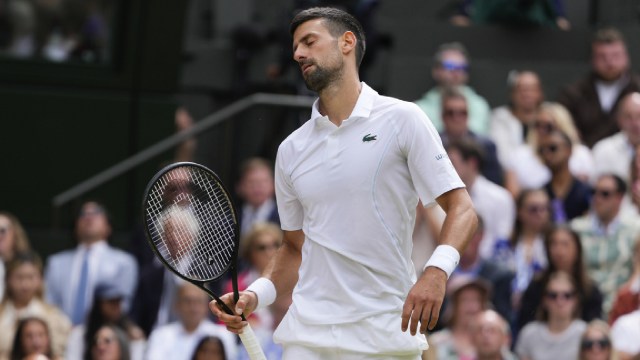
<point>303,39</point>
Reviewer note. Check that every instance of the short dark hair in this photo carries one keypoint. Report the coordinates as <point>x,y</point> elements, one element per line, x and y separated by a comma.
<point>337,22</point>
<point>468,149</point>
<point>607,35</point>
<point>621,185</point>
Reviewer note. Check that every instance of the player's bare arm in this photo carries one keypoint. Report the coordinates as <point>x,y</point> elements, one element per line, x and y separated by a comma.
<point>425,299</point>
<point>282,271</point>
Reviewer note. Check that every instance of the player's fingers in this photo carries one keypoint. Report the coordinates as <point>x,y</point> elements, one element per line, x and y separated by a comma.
<point>407,309</point>
<point>434,314</point>
<point>415,319</point>
<point>427,313</point>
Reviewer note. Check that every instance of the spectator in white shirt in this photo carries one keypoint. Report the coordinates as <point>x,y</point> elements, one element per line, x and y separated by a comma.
<point>613,154</point>
<point>178,340</point>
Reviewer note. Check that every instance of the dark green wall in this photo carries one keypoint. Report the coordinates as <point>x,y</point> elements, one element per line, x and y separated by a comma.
<point>63,123</point>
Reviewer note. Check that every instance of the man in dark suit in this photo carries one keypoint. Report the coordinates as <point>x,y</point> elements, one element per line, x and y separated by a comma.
<point>593,100</point>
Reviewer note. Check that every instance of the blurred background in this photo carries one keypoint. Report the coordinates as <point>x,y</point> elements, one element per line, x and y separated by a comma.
<point>87,85</point>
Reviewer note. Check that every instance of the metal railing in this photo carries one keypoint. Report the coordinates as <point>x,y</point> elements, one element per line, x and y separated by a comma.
<point>136,160</point>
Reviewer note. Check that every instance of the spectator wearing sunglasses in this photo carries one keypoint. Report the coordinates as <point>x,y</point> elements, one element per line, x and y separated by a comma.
<point>455,117</point>
<point>556,335</point>
<point>596,342</point>
<point>569,196</point>
<point>607,238</point>
<point>564,253</point>
<point>451,69</point>
<point>524,167</point>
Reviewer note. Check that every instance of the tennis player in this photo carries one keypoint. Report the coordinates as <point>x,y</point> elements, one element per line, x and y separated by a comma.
<point>347,186</point>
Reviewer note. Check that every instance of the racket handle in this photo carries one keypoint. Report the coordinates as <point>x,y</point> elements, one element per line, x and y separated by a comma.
<point>251,343</point>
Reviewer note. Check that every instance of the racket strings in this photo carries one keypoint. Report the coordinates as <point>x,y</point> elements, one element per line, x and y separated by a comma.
<point>191,223</point>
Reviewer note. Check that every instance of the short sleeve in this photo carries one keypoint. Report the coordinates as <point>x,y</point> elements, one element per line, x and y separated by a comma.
<point>289,207</point>
<point>431,170</point>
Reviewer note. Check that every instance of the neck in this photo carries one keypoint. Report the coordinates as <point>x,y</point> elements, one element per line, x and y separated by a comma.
<point>20,303</point>
<point>494,356</point>
<point>526,116</point>
<point>561,181</point>
<point>607,220</point>
<point>529,235</point>
<point>190,327</point>
<point>559,325</point>
<point>338,99</point>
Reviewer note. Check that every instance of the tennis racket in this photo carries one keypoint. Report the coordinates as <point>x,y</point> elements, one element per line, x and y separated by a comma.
<point>192,228</point>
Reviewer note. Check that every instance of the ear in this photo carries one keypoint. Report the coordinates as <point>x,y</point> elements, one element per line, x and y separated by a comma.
<point>348,42</point>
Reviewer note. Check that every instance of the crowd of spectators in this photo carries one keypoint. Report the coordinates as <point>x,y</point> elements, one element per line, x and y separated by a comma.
<point>553,271</point>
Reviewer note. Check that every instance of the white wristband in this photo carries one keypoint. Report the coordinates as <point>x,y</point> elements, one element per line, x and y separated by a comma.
<point>444,257</point>
<point>265,290</point>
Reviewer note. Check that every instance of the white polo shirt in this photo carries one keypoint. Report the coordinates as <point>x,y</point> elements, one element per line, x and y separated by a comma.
<point>353,190</point>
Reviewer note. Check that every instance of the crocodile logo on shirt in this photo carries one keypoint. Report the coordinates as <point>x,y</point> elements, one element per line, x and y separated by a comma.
<point>369,137</point>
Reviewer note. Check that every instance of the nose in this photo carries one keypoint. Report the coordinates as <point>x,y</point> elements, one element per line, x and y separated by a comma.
<point>299,54</point>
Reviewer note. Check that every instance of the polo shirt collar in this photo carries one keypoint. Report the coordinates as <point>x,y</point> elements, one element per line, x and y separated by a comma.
<point>363,107</point>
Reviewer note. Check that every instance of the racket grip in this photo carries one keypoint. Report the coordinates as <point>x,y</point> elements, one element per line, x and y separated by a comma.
<point>251,343</point>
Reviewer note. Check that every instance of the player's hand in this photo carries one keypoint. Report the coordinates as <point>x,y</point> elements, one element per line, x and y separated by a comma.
<point>245,305</point>
<point>424,301</point>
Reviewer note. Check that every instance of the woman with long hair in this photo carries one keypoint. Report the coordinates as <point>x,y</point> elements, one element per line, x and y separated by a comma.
<point>525,169</point>
<point>13,237</point>
<point>557,333</point>
<point>106,310</point>
<point>32,338</point>
<point>109,343</point>
<point>525,253</point>
<point>564,253</point>
<point>24,298</point>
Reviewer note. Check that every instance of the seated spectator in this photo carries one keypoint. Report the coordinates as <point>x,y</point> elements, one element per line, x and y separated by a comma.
<point>524,254</point>
<point>450,69</point>
<point>68,273</point>
<point>625,333</point>
<point>257,191</point>
<point>500,278</point>
<point>519,13</point>
<point>557,334</point>
<point>491,337</point>
<point>209,348</point>
<point>564,253</point>
<point>24,299</point>
<point>177,340</point>
<point>106,310</point>
<point>468,296</point>
<point>613,154</point>
<point>596,342</point>
<point>492,202</point>
<point>13,239</point>
<point>109,343</point>
<point>631,201</point>
<point>627,299</point>
<point>569,196</point>
<point>32,337</point>
<point>258,248</point>
<point>455,120</point>
<point>510,123</point>
<point>607,238</point>
<point>524,166</point>
<point>594,100</point>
